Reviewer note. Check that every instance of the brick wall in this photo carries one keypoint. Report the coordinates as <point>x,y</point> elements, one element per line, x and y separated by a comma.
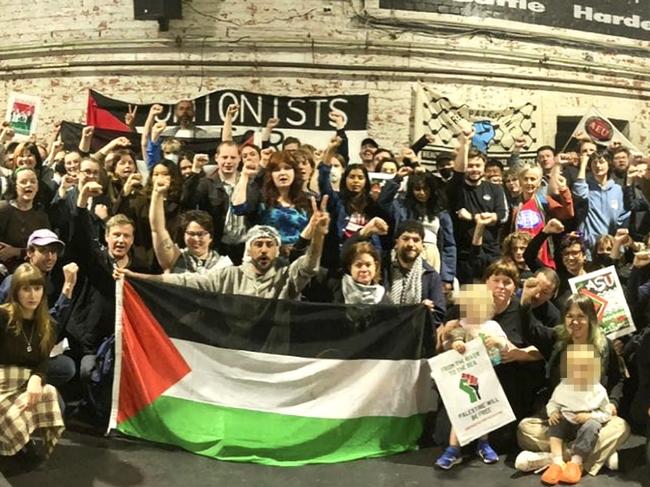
<point>59,49</point>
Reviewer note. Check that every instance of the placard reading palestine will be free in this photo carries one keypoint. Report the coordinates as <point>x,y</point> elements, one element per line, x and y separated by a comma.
<point>622,18</point>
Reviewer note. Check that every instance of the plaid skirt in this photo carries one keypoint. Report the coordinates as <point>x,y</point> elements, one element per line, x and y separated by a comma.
<point>17,425</point>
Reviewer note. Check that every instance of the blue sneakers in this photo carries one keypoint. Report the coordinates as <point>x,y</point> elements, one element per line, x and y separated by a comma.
<point>485,451</point>
<point>450,457</point>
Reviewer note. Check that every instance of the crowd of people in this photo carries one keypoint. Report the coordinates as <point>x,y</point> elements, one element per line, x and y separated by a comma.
<point>317,224</point>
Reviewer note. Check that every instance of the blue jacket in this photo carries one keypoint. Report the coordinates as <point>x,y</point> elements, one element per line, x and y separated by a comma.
<point>605,212</point>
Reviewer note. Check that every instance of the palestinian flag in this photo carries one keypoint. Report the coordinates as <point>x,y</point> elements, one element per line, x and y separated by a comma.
<point>269,381</point>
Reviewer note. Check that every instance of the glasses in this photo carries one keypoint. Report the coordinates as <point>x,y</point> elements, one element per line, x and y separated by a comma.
<point>201,234</point>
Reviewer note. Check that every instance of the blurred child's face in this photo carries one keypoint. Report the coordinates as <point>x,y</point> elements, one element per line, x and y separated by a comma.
<point>476,303</point>
<point>582,366</point>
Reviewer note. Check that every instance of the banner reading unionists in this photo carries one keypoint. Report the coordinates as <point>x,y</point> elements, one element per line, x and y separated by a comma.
<point>22,114</point>
<point>305,117</point>
<point>604,289</point>
<point>269,381</point>
<point>496,130</point>
<point>472,394</point>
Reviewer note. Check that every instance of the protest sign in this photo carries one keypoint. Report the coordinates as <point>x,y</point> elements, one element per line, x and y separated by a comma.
<point>472,394</point>
<point>604,289</point>
<point>22,114</point>
<point>601,131</point>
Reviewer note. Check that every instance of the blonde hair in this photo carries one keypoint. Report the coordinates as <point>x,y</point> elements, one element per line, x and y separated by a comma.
<point>528,168</point>
<point>29,275</point>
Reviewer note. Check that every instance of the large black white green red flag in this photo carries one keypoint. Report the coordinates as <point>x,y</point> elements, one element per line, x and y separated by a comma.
<point>269,381</point>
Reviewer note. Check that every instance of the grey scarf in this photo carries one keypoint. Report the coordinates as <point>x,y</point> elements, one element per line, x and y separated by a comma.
<point>406,288</point>
<point>355,293</point>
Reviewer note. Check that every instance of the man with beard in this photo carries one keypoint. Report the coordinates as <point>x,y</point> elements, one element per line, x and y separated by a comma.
<point>260,274</point>
<point>470,195</point>
<point>620,164</point>
<point>184,114</point>
<point>408,278</point>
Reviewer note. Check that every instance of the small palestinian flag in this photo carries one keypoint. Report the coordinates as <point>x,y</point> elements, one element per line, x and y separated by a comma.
<point>269,381</point>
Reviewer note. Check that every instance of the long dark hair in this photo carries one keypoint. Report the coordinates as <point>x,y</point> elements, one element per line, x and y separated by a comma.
<point>437,198</point>
<point>270,193</point>
<point>176,185</point>
<point>355,202</point>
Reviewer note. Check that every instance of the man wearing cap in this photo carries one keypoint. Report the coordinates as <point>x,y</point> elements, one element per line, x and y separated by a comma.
<point>43,250</point>
<point>367,153</point>
<point>260,274</point>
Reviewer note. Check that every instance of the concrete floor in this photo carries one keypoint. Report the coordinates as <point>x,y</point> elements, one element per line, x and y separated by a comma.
<point>83,460</point>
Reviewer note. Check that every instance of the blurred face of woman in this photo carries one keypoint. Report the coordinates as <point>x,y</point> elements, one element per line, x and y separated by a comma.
<point>26,159</point>
<point>249,156</point>
<point>502,288</point>
<point>124,167</point>
<point>577,324</point>
<point>160,172</point>
<point>283,176</point>
<point>421,194</point>
<point>26,186</point>
<point>30,296</point>
<point>185,167</point>
<point>530,181</point>
<point>355,181</point>
<point>197,239</point>
<point>363,269</point>
<point>512,185</point>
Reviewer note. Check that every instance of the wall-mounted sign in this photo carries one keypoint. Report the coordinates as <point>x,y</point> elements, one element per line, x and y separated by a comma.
<point>623,18</point>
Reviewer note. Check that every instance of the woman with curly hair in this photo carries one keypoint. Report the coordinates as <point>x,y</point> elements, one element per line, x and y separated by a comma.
<point>425,201</point>
<point>31,422</point>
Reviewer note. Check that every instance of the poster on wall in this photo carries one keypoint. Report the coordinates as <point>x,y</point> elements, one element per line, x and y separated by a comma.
<point>622,18</point>
<point>22,114</point>
<point>496,129</point>
<point>472,394</point>
<point>306,117</point>
<point>604,288</point>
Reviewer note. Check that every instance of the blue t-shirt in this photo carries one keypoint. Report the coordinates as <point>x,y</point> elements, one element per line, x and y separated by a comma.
<point>289,222</point>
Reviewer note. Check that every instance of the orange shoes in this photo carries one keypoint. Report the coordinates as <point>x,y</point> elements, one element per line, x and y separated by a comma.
<point>572,473</point>
<point>552,475</point>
